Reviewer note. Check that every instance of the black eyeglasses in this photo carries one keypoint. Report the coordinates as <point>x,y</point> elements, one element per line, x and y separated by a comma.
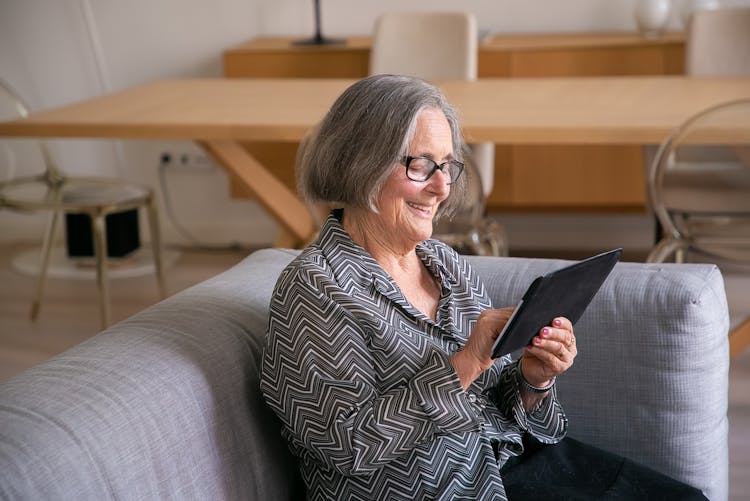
<point>421,168</point>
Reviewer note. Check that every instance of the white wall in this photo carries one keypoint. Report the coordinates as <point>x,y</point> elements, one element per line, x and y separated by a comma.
<point>341,17</point>
<point>56,52</point>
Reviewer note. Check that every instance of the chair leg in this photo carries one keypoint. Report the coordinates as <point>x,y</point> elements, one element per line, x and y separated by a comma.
<point>680,255</point>
<point>49,235</point>
<point>99,231</point>
<point>664,249</point>
<point>153,224</point>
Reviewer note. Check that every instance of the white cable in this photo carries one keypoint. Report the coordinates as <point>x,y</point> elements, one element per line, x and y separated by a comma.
<point>102,74</point>
<point>96,46</point>
<point>163,166</point>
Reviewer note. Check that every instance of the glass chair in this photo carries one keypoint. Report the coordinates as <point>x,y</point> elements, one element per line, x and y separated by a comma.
<point>469,231</point>
<point>699,186</point>
<point>53,192</point>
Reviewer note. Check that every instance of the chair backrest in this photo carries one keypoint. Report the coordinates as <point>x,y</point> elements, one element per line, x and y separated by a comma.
<point>433,46</point>
<point>699,181</point>
<point>718,42</point>
<point>20,156</point>
<point>429,45</point>
<point>440,46</point>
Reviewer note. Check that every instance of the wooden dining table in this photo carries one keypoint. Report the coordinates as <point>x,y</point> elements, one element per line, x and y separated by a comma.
<point>219,114</point>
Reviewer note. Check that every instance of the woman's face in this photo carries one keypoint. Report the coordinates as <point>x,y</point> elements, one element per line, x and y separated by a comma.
<point>408,207</point>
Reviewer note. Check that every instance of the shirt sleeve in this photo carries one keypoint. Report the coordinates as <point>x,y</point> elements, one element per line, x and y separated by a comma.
<point>547,422</point>
<point>318,377</point>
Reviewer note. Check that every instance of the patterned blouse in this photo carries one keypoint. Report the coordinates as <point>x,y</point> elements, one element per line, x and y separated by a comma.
<point>364,388</point>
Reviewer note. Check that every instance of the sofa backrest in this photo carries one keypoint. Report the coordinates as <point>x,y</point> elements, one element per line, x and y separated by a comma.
<point>650,381</point>
<point>165,405</point>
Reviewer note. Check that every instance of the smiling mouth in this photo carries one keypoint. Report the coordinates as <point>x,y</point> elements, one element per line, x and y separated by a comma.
<point>425,209</point>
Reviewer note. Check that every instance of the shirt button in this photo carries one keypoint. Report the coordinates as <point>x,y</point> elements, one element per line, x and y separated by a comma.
<point>472,398</point>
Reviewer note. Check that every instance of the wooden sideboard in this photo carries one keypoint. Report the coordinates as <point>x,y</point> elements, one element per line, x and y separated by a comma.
<point>528,178</point>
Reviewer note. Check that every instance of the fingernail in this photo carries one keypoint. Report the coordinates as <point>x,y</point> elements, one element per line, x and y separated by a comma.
<point>545,331</point>
<point>557,322</point>
<point>537,340</point>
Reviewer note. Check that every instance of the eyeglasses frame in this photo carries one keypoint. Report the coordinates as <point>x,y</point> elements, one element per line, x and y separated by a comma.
<point>406,160</point>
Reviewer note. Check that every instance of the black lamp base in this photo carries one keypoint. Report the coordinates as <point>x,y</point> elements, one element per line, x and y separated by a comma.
<point>319,41</point>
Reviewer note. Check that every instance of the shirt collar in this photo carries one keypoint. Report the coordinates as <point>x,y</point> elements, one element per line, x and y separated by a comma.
<point>355,267</point>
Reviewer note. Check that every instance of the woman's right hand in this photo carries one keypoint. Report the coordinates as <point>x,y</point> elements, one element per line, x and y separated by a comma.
<point>476,357</point>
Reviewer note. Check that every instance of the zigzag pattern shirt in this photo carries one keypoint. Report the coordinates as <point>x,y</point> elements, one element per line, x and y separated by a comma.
<point>364,388</point>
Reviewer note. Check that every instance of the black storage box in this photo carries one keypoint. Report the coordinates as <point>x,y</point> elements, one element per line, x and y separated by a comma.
<point>123,236</point>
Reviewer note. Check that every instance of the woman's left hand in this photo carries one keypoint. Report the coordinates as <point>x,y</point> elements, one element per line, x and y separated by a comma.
<point>550,353</point>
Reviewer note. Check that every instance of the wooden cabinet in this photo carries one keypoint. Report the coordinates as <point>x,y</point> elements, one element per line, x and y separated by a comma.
<point>278,58</point>
<point>527,178</point>
<point>592,54</point>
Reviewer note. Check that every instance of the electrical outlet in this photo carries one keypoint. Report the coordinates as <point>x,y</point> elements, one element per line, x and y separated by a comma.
<point>188,160</point>
<point>194,161</point>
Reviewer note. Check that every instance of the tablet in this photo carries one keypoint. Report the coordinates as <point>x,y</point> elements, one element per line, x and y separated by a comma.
<point>561,293</point>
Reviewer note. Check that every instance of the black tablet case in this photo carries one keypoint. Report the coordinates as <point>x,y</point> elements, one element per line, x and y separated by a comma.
<point>561,293</point>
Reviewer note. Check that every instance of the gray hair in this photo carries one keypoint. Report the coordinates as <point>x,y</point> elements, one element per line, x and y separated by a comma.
<point>346,159</point>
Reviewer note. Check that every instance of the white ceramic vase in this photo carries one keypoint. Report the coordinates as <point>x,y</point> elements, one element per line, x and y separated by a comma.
<point>652,17</point>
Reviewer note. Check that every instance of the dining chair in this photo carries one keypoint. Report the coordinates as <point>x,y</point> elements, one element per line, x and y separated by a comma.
<point>699,186</point>
<point>718,42</point>
<point>468,230</point>
<point>443,46</point>
<point>32,182</point>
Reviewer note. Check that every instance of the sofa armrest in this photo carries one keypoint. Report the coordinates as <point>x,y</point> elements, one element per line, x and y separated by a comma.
<point>164,405</point>
<point>650,380</point>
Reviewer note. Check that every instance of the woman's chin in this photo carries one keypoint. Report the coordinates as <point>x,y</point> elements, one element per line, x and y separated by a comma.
<point>425,234</point>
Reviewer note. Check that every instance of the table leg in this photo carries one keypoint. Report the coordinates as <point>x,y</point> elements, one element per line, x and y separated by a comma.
<point>281,203</point>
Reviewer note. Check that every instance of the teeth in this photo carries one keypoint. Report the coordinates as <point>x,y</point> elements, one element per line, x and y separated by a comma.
<point>420,207</point>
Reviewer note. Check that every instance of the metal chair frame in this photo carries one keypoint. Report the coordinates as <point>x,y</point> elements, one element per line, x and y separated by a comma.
<point>80,195</point>
<point>721,228</point>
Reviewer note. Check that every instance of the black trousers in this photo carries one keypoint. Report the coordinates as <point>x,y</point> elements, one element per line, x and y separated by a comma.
<point>571,470</point>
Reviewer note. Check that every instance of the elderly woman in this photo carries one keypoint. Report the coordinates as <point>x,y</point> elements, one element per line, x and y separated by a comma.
<point>378,350</point>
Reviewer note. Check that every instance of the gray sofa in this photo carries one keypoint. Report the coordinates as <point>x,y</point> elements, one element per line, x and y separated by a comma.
<point>165,405</point>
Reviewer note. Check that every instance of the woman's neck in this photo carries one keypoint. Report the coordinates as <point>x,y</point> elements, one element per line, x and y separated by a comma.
<point>364,228</point>
<point>400,262</point>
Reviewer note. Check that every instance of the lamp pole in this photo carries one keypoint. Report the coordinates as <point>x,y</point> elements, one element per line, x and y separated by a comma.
<point>318,39</point>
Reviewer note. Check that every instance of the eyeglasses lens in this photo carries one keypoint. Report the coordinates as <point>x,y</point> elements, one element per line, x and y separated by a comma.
<point>421,169</point>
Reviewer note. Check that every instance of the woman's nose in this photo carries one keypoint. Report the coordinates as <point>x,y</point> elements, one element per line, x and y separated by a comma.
<point>438,182</point>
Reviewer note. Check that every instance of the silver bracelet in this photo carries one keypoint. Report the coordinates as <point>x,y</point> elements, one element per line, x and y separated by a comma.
<point>530,387</point>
